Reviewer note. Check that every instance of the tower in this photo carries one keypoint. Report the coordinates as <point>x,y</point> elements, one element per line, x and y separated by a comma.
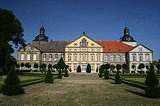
<point>41,38</point>
<point>127,39</point>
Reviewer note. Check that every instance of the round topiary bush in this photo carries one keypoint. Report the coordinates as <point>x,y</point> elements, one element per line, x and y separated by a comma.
<point>11,86</point>
<point>106,74</point>
<point>117,78</point>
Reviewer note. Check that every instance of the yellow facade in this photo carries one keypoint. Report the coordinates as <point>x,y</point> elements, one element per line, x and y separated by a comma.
<point>83,51</point>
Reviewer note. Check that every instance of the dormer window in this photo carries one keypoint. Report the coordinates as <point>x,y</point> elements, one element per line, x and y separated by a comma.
<point>92,44</point>
<point>75,44</point>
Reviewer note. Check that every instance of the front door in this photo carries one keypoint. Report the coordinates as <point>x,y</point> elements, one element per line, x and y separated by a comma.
<point>83,68</point>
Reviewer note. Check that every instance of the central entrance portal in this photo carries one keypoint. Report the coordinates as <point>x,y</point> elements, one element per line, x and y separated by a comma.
<point>83,68</point>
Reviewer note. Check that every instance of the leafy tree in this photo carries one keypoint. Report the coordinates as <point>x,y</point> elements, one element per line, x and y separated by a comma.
<point>112,67</point>
<point>49,67</point>
<point>35,65</point>
<point>10,30</point>
<point>106,73</point>
<point>125,68</point>
<point>133,67</point>
<point>88,69</point>
<point>79,68</point>
<point>151,82</point>
<point>147,67</point>
<point>102,68</point>
<point>118,67</point>
<point>17,65</point>
<point>158,67</point>
<point>22,65</point>
<point>27,65</point>
<point>11,86</point>
<point>141,66</point>
<point>49,77</point>
<point>43,67</point>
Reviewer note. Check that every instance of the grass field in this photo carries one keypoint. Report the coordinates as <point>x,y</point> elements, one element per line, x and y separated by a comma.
<point>80,90</point>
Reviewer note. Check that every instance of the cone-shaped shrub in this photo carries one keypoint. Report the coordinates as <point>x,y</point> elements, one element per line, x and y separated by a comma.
<point>49,77</point>
<point>117,78</point>
<point>79,68</point>
<point>152,81</point>
<point>88,69</point>
<point>11,86</point>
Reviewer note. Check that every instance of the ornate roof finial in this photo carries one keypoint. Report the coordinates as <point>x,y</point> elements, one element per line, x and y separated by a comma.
<point>83,32</point>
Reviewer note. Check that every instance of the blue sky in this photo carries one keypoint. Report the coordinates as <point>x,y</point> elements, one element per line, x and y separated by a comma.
<point>101,19</point>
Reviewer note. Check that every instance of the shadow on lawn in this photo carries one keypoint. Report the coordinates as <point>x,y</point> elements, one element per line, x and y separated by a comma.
<point>136,92</point>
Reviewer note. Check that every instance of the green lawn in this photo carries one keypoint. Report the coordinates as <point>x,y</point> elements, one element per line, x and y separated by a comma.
<point>80,90</point>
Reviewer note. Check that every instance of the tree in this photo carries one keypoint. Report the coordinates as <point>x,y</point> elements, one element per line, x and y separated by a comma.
<point>112,68</point>
<point>100,73</point>
<point>147,67</point>
<point>118,67</point>
<point>22,65</point>
<point>141,66</point>
<point>106,73</point>
<point>60,66</point>
<point>10,30</point>
<point>79,68</point>
<point>125,68</point>
<point>133,67</point>
<point>158,67</point>
<point>88,69</point>
<point>49,77</point>
<point>35,65</point>
<point>17,65</point>
<point>49,67</point>
<point>27,65</point>
<point>11,86</point>
<point>151,82</point>
<point>43,67</point>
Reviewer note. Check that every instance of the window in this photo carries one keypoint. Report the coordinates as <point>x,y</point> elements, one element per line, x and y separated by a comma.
<point>44,56</point>
<point>83,49</point>
<point>98,57</point>
<point>98,49</point>
<point>22,56</point>
<point>105,57</point>
<point>56,56</point>
<point>147,57</point>
<point>28,56</point>
<point>34,56</point>
<point>69,57</point>
<point>50,57</point>
<point>83,57</point>
<point>75,44</point>
<point>140,57</point>
<point>92,57</point>
<point>75,49</point>
<point>92,44</point>
<point>98,66</point>
<point>134,57</point>
<point>69,66</point>
<point>112,58</point>
<point>75,57</point>
<point>92,67</point>
<point>92,49</point>
<point>75,67</point>
<point>123,58</point>
<point>117,58</point>
<point>69,49</point>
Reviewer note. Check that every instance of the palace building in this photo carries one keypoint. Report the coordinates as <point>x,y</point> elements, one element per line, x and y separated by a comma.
<point>84,50</point>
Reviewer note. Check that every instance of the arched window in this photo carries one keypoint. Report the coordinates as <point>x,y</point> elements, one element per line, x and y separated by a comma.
<point>50,57</point>
<point>69,57</point>
<point>75,57</point>
<point>83,57</point>
<point>105,57</point>
<point>134,57</point>
<point>22,56</point>
<point>28,56</point>
<point>118,58</point>
<point>44,56</point>
<point>98,57</point>
<point>92,57</point>
<point>123,58</point>
<point>112,58</point>
<point>34,56</point>
<point>140,57</point>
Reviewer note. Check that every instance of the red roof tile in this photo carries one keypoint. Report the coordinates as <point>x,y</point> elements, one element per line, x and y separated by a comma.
<point>113,46</point>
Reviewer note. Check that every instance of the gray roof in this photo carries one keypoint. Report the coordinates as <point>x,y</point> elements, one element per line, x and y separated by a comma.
<point>53,46</point>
